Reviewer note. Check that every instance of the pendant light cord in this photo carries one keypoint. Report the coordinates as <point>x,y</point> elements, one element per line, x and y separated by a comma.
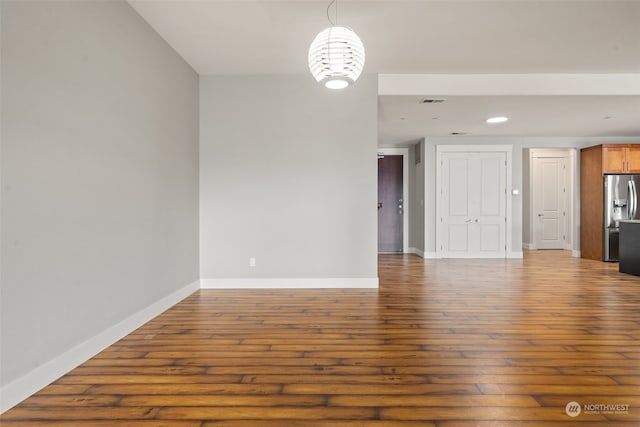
<point>336,13</point>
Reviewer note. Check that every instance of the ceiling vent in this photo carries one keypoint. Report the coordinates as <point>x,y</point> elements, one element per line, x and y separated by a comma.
<point>431,101</point>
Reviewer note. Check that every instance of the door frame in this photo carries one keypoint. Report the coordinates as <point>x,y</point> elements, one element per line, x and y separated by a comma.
<point>507,149</point>
<point>570,154</point>
<point>404,152</point>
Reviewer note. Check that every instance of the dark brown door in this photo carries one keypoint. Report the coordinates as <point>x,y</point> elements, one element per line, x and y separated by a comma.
<point>390,204</point>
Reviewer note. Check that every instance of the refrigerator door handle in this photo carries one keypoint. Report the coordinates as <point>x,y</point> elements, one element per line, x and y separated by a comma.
<point>630,199</point>
<point>634,204</point>
<point>633,200</point>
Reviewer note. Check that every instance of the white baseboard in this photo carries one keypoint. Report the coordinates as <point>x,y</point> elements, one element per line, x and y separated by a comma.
<point>512,254</point>
<point>576,254</point>
<point>417,252</point>
<point>288,283</point>
<point>23,387</point>
<point>486,256</point>
<point>423,254</point>
<point>532,247</point>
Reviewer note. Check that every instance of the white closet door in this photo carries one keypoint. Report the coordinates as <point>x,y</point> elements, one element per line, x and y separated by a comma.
<point>473,205</point>
<point>549,203</point>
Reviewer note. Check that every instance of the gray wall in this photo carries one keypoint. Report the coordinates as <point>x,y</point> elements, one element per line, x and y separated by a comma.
<point>99,174</point>
<point>416,197</point>
<point>287,175</point>
<point>519,144</point>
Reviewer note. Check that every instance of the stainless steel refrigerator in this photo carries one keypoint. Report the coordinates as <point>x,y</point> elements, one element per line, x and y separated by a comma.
<point>620,202</point>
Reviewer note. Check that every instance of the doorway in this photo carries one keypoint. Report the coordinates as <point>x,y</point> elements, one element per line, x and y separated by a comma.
<point>550,213</point>
<point>392,200</point>
<point>473,210</point>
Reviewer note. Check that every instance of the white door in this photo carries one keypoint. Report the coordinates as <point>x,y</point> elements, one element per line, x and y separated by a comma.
<point>472,205</point>
<point>549,202</point>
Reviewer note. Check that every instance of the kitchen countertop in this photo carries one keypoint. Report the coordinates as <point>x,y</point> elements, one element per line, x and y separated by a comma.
<point>633,221</point>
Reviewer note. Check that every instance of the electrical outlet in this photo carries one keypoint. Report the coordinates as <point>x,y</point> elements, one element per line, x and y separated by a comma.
<point>252,262</point>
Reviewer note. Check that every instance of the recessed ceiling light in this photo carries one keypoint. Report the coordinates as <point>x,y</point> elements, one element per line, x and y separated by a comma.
<point>497,119</point>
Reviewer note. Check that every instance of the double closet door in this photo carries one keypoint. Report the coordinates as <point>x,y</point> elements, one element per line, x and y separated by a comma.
<point>472,197</point>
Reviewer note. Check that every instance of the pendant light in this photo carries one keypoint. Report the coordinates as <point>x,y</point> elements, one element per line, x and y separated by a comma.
<point>336,55</point>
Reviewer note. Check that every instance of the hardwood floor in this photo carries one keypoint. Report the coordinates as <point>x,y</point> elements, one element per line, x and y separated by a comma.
<point>442,343</point>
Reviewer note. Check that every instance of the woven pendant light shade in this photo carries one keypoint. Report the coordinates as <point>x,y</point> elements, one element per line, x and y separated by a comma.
<point>336,57</point>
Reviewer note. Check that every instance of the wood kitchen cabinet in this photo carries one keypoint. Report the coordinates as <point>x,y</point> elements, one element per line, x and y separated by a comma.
<point>633,158</point>
<point>594,163</point>
<point>591,202</point>
<point>621,158</point>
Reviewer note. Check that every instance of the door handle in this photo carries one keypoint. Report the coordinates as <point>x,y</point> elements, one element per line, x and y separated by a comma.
<point>632,200</point>
<point>629,199</point>
<point>634,204</point>
<point>540,214</point>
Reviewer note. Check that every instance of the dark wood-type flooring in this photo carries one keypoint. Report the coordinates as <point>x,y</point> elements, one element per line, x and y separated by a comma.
<point>442,343</point>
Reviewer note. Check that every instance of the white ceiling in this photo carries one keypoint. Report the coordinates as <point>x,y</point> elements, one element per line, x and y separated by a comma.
<point>404,118</point>
<point>431,37</point>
